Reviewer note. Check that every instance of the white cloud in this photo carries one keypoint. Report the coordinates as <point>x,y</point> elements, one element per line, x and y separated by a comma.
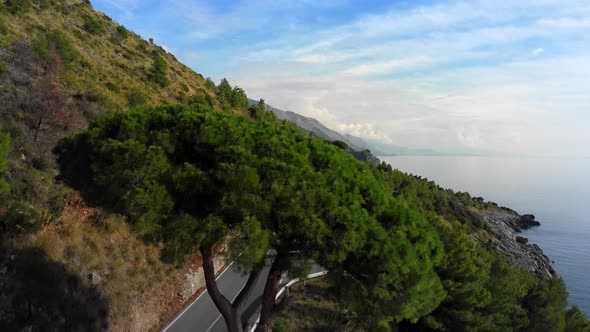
<point>461,74</point>
<point>389,66</point>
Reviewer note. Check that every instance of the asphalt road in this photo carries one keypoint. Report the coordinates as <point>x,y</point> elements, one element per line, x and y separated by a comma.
<point>203,316</point>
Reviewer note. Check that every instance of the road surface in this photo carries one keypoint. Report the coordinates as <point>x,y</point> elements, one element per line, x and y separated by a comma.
<point>202,315</point>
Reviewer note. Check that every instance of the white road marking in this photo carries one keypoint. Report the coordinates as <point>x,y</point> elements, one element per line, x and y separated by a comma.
<point>190,305</point>
<point>218,317</point>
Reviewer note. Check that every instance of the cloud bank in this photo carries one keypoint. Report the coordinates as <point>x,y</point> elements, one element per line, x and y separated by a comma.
<point>455,76</point>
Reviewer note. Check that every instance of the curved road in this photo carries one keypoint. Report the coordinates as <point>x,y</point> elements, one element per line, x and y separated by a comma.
<point>202,315</point>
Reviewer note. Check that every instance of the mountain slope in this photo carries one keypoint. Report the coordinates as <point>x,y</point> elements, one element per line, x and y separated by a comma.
<point>357,147</point>
<point>65,266</point>
<point>68,266</point>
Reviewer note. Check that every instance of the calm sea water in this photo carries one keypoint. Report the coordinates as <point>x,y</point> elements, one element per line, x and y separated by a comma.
<point>556,191</point>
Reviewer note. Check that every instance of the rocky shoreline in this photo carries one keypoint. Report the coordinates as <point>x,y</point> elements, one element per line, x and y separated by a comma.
<point>503,224</point>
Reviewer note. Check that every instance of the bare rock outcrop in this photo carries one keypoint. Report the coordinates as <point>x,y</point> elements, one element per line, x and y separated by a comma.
<point>501,224</point>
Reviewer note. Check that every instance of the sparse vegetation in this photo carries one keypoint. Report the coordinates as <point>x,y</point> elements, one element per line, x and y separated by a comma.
<point>18,7</point>
<point>159,71</point>
<point>93,25</point>
<point>398,244</point>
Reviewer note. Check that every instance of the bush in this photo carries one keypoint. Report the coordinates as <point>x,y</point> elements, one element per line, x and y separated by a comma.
<point>18,7</point>
<point>3,67</point>
<point>44,4</point>
<point>40,163</point>
<point>111,86</point>
<point>136,98</point>
<point>201,97</point>
<point>576,321</point>
<point>158,71</point>
<point>122,32</point>
<point>2,26</point>
<point>55,41</point>
<point>281,325</point>
<point>93,25</point>
<point>21,218</point>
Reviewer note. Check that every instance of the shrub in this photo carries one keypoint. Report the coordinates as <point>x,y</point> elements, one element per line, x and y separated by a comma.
<point>44,4</point>
<point>158,71</point>
<point>21,218</point>
<point>93,25</point>
<point>136,98</point>
<point>112,87</point>
<point>18,7</point>
<point>281,325</point>
<point>3,67</point>
<point>55,41</point>
<point>2,26</point>
<point>122,32</point>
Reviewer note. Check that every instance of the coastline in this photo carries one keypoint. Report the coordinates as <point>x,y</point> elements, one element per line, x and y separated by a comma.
<point>501,234</point>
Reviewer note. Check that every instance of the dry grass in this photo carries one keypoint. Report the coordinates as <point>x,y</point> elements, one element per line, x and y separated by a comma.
<point>115,68</point>
<point>105,245</point>
<point>314,308</point>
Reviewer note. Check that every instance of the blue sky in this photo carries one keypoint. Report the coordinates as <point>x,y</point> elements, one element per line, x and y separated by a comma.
<point>456,76</point>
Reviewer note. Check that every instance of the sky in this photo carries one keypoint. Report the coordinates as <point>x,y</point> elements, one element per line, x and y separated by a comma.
<point>477,76</point>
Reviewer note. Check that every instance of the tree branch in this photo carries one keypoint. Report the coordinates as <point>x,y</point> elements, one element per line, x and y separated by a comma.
<point>220,301</point>
<point>248,288</point>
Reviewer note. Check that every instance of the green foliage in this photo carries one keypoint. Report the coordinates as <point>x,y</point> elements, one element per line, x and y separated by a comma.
<point>56,42</point>
<point>158,71</point>
<point>44,4</point>
<point>4,151</point>
<point>239,99</point>
<point>123,32</point>
<point>210,84</point>
<point>136,97</point>
<point>229,97</point>
<point>546,303</point>
<point>93,25</point>
<point>260,112</point>
<point>18,7</point>
<point>341,145</point>
<point>576,321</point>
<point>483,293</point>
<point>429,198</point>
<point>224,93</point>
<point>192,177</point>
<point>3,28</point>
<point>201,97</point>
<point>21,218</point>
<point>281,325</point>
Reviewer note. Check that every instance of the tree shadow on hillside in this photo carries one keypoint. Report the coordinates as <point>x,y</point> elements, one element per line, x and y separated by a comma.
<point>38,294</point>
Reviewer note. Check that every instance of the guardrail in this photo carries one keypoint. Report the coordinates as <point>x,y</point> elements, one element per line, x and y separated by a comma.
<point>284,288</point>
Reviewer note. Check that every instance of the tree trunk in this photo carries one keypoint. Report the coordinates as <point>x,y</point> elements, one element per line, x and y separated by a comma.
<point>270,309</point>
<point>230,315</point>
<point>38,128</point>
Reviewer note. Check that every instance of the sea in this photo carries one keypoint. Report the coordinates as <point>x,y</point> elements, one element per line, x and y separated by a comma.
<point>555,190</point>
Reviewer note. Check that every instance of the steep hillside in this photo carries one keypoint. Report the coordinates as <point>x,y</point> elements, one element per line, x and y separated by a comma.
<point>356,146</point>
<point>62,64</point>
<point>66,266</point>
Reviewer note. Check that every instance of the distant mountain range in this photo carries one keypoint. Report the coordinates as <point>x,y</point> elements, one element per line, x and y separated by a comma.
<point>316,128</point>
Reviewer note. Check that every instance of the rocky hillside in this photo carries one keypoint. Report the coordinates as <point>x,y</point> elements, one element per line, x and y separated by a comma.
<point>62,64</point>
<point>65,266</point>
<point>355,145</point>
<point>503,224</point>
